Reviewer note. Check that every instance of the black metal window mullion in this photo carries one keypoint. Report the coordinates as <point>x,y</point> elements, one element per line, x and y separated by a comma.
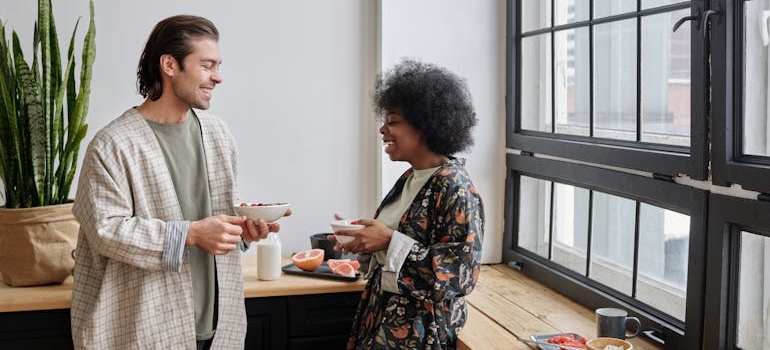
<point>591,70</point>
<point>733,278</point>
<point>635,262</point>
<point>550,219</point>
<point>590,231</point>
<point>553,68</point>
<point>638,74</point>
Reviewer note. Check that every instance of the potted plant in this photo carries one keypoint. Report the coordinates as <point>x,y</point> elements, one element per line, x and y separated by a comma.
<point>43,105</point>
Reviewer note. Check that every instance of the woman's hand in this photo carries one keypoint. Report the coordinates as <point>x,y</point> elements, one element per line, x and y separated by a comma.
<point>373,237</point>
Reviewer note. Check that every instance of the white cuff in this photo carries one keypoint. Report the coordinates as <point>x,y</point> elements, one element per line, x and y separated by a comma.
<point>398,249</point>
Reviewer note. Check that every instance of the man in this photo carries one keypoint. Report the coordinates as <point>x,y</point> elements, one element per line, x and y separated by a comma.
<point>158,262</point>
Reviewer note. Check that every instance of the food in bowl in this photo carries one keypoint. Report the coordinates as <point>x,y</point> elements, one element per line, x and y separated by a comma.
<point>344,225</point>
<point>270,212</point>
<point>605,343</point>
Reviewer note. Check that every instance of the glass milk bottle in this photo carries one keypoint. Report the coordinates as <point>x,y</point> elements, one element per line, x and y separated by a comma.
<point>269,258</point>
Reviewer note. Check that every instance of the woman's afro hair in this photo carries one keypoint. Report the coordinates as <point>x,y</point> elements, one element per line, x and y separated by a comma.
<point>433,100</point>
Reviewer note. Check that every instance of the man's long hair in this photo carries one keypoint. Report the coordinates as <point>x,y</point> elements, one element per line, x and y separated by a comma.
<point>170,36</point>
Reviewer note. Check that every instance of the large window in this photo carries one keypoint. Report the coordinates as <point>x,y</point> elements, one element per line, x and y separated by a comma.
<point>610,238</point>
<point>634,128</point>
<point>609,82</point>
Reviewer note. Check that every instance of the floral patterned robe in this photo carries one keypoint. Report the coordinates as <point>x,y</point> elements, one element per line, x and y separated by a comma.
<point>446,218</point>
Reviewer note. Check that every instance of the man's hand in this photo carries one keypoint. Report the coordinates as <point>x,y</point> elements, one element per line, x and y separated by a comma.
<point>256,230</point>
<point>217,235</point>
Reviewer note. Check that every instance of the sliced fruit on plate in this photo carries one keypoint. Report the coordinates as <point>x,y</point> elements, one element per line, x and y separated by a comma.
<point>336,262</point>
<point>308,260</point>
<point>344,269</point>
<point>568,340</point>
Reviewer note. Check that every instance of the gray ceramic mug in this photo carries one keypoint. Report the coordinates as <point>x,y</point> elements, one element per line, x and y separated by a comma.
<point>611,322</point>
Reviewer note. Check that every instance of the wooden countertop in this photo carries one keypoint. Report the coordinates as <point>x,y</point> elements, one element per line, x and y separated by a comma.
<point>59,296</point>
<point>292,284</point>
<point>506,305</point>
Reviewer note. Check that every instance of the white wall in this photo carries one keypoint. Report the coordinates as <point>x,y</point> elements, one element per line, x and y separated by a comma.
<point>468,38</point>
<point>297,80</point>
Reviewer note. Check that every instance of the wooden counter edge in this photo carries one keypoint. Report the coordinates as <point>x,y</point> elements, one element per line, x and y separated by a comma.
<point>59,296</point>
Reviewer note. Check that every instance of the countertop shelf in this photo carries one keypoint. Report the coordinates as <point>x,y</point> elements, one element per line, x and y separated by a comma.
<point>59,296</point>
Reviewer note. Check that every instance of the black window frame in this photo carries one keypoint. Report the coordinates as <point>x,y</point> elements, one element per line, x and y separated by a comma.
<point>648,175</point>
<point>719,211</point>
<point>684,199</point>
<point>729,164</point>
<point>728,215</point>
<point>654,158</point>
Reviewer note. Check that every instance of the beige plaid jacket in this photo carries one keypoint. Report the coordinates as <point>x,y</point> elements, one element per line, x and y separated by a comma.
<point>122,297</point>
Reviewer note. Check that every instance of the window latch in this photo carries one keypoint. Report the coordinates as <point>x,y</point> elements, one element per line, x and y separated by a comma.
<point>697,20</point>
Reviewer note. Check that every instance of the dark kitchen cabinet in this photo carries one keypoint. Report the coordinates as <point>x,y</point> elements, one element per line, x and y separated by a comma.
<point>39,330</point>
<point>297,322</point>
<point>321,321</point>
<point>267,321</point>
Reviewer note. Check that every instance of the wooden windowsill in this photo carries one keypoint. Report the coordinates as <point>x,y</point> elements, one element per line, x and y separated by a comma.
<point>506,305</point>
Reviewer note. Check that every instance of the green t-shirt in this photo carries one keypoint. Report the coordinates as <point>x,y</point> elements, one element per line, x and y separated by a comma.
<point>182,146</point>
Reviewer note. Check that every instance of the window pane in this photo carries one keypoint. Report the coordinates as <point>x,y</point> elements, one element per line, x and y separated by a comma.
<point>604,8</point>
<point>754,293</point>
<point>664,240</point>
<point>756,78</point>
<point>615,80</point>
<point>570,227</point>
<point>536,83</point>
<point>535,15</point>
<point>570,11</point>
<point>665,102</point>
<point>612,241</point>
<point>534,215</point>
<point>646,4</point>
<point>572,90</point>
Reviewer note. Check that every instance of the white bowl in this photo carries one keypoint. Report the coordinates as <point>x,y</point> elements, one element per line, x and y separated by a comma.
<point>601,343</point>
<point>344,225</point>
<point>269,212</point>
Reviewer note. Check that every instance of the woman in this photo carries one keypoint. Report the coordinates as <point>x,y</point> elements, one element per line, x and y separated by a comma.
<point>424,244</point>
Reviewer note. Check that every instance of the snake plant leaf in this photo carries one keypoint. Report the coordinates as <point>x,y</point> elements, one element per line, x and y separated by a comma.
<point>42,112</point>
<point>57,131</point>
<point>38,143</point>
<point>71,160</point>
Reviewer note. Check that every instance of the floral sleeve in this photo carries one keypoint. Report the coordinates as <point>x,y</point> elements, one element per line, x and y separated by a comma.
<point>447,221</point>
